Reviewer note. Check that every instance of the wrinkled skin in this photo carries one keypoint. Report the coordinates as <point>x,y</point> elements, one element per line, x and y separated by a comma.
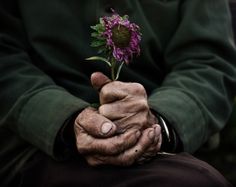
<point>123,130</point>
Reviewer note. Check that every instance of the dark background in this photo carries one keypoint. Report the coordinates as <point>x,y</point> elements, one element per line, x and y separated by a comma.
<point>223,157</point>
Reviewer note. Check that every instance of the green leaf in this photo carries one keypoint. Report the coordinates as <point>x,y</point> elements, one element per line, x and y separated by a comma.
<point>97,36</point>
<point>98,43</point>
<point>99,28</point>
<point>99,58</point>
<point>94,34</point>
<point>101,21</point>
<point>125,17</point>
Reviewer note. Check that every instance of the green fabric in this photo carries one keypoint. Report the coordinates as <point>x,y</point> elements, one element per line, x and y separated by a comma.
<point>187,66</point>
<point>58,103</point>
<point>197,61</point>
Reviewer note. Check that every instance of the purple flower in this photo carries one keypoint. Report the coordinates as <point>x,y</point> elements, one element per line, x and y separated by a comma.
<point>118,39</point>
<point>122,37</point>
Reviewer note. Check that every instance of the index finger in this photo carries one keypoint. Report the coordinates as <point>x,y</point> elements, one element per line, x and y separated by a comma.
<point>118,90</point>
<point>87,144</point>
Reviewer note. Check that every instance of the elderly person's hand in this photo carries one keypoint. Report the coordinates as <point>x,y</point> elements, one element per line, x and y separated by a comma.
<point>98,141</point>
<point>126,105</point>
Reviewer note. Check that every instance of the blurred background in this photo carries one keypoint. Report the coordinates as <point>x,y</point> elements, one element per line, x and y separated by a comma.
<point>220,152</point>
<point>223,157</point>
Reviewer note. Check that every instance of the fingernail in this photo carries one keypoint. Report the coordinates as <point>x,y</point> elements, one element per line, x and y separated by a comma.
<point>106,127</point>
<point>151,134</point>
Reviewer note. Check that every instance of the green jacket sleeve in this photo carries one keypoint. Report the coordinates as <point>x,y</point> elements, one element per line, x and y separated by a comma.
<point>197,94</point>
<point>32,105</point>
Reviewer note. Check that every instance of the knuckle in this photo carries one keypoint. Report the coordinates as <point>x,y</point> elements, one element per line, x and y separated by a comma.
<point>86,115</point>
<point>77,128</point>
<point>143,104</point>
<point>106,110</point>
<point>138,89</point>
<point>102,109</point>
<point>105,90</point>
<point>142,122</point>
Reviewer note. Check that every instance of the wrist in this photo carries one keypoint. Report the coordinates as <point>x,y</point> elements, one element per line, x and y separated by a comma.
<point>65,144</point>
<point>170,139</point>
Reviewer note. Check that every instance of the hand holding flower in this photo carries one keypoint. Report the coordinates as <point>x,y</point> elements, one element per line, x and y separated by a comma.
<point>121,101</point>
<point>102,141</point>
<point>126,105</point>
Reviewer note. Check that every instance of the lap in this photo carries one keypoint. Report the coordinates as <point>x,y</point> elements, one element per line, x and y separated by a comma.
<point>165,170</point>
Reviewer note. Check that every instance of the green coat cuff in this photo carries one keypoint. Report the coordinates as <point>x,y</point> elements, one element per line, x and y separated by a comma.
<point>43,116</point>
<point>169,103</point>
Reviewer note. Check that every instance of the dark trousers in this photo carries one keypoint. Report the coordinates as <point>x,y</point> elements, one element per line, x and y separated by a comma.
<point>165,171</point>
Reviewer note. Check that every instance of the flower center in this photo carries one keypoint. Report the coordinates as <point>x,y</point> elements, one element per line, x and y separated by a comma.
<point>121,36</point>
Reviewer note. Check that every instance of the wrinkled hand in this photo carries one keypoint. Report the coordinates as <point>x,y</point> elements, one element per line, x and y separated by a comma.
<point>124,103</point>
<point>127,106</point>
<point>97,140</point>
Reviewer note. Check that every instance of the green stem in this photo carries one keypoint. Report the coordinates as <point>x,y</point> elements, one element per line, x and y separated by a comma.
<point>113,66</point>
<point>118,71</point>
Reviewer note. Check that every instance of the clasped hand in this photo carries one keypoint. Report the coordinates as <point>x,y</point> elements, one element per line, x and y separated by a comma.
<point>122,130</point>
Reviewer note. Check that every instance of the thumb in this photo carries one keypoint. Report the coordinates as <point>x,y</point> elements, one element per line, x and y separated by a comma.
<point>94,124</point>
<point>98,80</point>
